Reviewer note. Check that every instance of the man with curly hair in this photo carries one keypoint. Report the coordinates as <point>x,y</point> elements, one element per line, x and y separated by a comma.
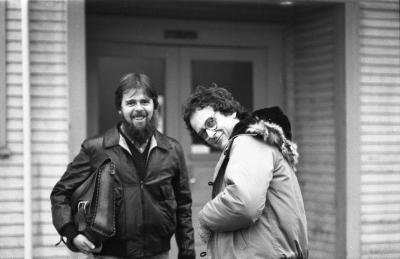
<point>257,209</point>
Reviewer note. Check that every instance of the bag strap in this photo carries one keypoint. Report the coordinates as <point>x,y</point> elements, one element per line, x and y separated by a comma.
<point>81,218</point>
<point>221,171</point>
<point>103,221</point>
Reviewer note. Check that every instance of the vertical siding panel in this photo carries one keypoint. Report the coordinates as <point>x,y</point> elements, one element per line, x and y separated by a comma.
<point>314,49</point>
<point>11,178</point>
<point>49,95</point>
<point>3,141</point>
<point>380,124</point>
<point>49,82</point>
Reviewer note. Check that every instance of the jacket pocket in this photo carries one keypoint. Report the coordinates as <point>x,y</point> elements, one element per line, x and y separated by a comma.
<point>161,209</point>
<point>168,205</point>
<point>167,192</point>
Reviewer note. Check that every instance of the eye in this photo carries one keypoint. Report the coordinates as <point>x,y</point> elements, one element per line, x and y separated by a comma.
<point>145,102</point>
<point>131,103</point>
<point>210,123</point>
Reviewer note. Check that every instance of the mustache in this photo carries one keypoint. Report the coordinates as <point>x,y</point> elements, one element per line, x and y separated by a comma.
<point>139,114</point>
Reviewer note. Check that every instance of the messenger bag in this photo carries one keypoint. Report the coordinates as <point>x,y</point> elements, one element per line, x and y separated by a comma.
<point>93,206</point>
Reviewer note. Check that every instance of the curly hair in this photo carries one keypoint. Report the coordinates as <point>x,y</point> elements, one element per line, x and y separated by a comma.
<point>218,98</point>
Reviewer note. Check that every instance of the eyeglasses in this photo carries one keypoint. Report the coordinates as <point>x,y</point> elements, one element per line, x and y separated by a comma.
<point>209,124</point>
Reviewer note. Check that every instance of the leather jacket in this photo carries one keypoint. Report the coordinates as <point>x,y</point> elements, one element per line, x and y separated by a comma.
<point>151,206</point>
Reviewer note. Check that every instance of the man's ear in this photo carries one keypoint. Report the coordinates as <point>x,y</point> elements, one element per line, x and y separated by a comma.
<point>119,112</point>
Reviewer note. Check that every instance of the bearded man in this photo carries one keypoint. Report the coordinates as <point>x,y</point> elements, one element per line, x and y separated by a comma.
<point>152,194</point>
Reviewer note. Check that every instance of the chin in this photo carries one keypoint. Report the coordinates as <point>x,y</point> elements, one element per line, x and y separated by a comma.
<point>224,143</point>
<point>139,125</point>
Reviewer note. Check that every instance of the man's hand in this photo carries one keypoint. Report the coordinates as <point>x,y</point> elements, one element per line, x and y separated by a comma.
<point>205,234</point>
<point>83,244</point>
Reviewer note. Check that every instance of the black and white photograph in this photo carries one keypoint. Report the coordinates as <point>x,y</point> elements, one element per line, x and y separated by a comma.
<point>216,129</point>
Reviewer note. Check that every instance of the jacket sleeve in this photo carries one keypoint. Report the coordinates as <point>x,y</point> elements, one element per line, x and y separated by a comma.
<point>77,171</point>
<point>247,177</point>
<point>184,229</point>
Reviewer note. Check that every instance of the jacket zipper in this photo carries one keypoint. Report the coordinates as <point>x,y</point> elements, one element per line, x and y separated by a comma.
<point>143,215</point>
<point>142,200</point>
<point>141,183</point>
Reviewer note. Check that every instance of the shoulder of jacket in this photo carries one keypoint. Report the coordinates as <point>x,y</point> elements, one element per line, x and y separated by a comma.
<point>168,142</point>
<point>171,140</point>
<point>92,143</point>
<point>248,138</point>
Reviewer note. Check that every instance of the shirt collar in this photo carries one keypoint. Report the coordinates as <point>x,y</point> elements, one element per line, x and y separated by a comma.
<point>124,145</point>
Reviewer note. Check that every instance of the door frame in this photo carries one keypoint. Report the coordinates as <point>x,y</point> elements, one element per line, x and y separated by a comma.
<point>76,43</point>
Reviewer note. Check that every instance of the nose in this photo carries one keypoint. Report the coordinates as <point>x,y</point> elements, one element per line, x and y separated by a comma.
<point>138,110</point>
<point>138,107</point>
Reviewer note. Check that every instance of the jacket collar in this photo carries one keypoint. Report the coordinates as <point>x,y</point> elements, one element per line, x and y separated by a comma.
<point>113,138</point>
<point>161,140</point>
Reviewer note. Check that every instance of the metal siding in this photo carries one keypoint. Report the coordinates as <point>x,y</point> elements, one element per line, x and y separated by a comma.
<point>49,93</point>
<point>380,129</point>
<point>314,121</point>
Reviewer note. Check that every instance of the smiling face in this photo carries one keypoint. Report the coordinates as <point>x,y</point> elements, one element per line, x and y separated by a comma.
<point>137,113</point>
<point>137,109</point>
<point>214,127</point>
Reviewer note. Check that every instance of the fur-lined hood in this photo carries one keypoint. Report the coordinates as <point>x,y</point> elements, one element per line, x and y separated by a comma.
<point>272,134</point>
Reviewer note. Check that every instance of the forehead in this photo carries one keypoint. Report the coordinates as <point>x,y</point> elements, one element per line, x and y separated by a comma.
<point>134,93</point>
<point>199,117</point>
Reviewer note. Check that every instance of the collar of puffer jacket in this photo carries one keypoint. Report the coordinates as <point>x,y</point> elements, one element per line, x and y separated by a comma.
<point>271,134</point>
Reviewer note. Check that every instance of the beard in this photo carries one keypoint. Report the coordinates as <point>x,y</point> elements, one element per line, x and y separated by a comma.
<point>140,135</point>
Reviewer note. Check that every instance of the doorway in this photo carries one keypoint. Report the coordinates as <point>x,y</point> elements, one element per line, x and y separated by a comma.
<point>250,69</point>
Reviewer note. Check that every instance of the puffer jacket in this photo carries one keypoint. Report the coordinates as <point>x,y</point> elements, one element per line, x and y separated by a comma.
<point>150,207</point>
<point>257,210</point>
